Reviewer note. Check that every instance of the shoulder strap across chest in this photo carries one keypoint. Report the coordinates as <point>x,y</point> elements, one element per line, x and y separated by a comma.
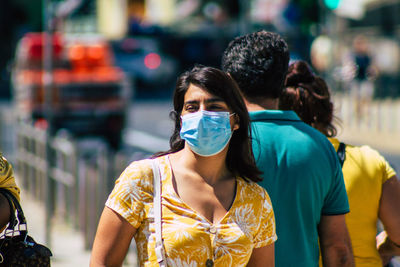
<point>341,152</point>
<point>160,253</point>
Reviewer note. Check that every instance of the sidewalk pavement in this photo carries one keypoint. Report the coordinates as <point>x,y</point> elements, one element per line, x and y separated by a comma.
<point>67,244</point>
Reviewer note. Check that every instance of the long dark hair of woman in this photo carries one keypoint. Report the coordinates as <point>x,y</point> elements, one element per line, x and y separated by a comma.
<point>308,95</point>
<point>240,160</point>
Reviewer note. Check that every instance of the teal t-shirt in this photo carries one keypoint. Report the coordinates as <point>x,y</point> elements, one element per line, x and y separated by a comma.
<point>304,179</point>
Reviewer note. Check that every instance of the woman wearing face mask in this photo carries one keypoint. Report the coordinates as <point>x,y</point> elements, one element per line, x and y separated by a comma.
<point>213,212</point>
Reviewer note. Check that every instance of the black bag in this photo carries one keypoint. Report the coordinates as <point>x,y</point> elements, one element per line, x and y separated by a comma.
<point>17,248</point>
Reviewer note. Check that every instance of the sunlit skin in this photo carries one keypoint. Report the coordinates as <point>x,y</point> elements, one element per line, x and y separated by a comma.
<point>203,183</point>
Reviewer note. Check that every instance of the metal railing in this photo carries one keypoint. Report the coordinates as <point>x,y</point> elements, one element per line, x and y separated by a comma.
<point>378,116</point>
<point>75,186</point>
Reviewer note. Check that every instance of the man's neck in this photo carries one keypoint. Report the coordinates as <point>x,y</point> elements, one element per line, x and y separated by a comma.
<point>261,104</point>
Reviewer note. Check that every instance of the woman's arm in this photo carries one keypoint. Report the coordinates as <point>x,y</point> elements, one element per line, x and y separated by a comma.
<point>113,237</point>
<point>389,214</point>
<point>264,256</point>
<point>387,249</point>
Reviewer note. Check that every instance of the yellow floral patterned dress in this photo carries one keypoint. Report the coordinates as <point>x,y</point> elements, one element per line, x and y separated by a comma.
<point>189,238</point>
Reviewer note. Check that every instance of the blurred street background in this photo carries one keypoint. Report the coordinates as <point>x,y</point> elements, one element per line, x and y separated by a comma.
<point>86,86</point>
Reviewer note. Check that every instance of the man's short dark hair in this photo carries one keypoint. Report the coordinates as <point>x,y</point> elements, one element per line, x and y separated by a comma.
<point>258,62</point>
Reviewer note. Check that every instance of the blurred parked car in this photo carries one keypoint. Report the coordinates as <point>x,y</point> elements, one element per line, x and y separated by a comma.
<point>89,94</point>
<point>151,71</point>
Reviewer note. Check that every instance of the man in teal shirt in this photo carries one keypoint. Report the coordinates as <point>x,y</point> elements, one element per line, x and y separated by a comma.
<point>300,167</point>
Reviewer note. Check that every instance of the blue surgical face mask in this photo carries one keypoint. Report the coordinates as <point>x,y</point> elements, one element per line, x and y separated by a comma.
<point>207,133</point>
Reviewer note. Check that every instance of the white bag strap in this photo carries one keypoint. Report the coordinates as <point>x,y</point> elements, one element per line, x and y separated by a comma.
<point>160,253</point>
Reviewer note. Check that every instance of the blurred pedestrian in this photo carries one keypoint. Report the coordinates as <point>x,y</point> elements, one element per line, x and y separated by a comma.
<point>301,171</point>
<point>372,186</point>
<point>364,73</point>
<point>7,181</point>
<point>213,212</point>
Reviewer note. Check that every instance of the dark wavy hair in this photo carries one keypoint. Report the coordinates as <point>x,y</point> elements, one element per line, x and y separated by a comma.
<point>308,95</point>
<point>240,159</point>
<point>258,62</point>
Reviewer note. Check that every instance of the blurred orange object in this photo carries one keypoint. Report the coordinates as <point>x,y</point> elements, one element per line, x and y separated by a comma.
<point>86,95</point>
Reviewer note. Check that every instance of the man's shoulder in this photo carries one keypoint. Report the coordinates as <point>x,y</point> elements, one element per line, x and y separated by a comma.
<point>296,129</point>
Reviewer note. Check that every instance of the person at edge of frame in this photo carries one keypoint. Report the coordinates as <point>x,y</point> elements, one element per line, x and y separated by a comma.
<point>371,183</point>
<point>7,181</point>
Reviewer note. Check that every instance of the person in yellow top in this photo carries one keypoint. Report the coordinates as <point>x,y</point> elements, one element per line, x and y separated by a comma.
<point>213,211</point>
<point>372,186</point>
<point>7,181</point>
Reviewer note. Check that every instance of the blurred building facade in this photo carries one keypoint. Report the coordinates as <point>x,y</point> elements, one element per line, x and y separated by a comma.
<point>379,24</point>
<point>196,31</point>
